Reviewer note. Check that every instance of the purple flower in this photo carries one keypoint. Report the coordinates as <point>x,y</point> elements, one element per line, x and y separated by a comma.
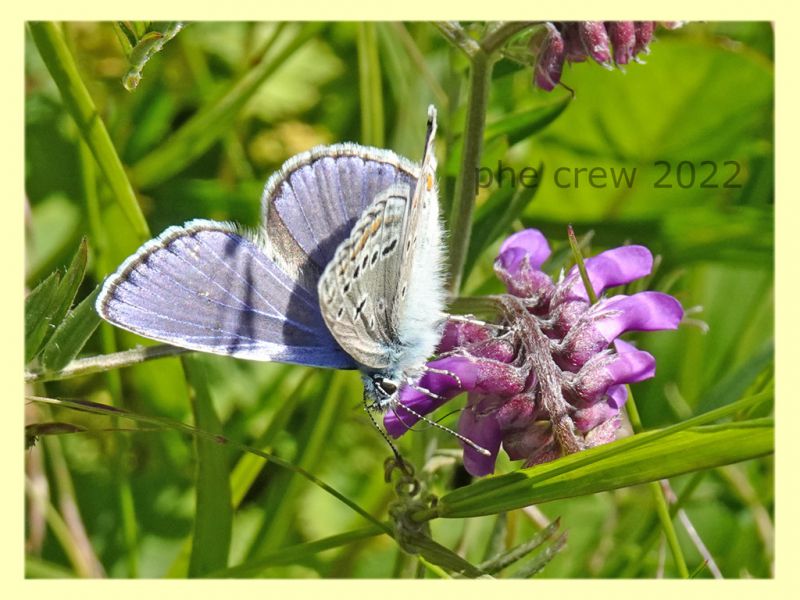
<point>623,38</point>
<point>607,43</point>
<point>550,59</point>
<point>552,380</point>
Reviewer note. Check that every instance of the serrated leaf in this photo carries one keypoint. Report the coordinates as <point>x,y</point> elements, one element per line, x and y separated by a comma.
<point>38,311</point>
<point>67,289</point>
<point>71,334</point>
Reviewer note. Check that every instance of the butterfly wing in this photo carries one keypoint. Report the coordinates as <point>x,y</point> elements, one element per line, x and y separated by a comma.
<point>312,204</point>
<point>366,291</point>
<point>206,287</point>
<point>359,285</point>
<point>417,316</point>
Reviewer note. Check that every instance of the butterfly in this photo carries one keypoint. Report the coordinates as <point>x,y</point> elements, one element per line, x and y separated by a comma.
<point>345,272</point>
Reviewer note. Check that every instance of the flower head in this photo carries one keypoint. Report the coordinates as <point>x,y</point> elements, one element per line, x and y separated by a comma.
<point>608,43</point>
<point>552,380</point>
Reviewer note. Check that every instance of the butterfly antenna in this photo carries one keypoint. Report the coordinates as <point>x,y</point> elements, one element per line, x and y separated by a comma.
<point>466,440</point>
<point>382,432</point>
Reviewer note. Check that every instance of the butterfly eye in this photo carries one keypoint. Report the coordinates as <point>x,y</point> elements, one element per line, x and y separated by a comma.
<point>388,386</point>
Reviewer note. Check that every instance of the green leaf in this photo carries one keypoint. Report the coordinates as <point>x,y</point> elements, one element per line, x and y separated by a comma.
<point>39,307</point>
<point>445,558</point>
<point>539,562</point>
<point>508,558</point>
<point>510,129</point>
<point>521,125</point>
<point>71,334</point>
<point>369,85</point>
<point>214,512</point>
<point>627,462</point>
<point>68,287</point>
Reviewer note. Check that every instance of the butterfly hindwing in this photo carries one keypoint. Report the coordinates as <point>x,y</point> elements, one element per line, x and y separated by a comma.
<point>359,287</point>
<point>207,287</point>
<point>382,295</point>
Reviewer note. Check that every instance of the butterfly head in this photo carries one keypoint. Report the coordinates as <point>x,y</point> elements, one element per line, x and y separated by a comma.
<point>381,389</point>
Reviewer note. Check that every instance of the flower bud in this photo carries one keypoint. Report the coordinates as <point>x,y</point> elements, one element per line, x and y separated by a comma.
<point>550,59</point>
<point>623,38</point>
<point>458,334</point>
<point>518,265</point>
<point>594,38</point>
<point>644,35</point>
<point>573,46</point>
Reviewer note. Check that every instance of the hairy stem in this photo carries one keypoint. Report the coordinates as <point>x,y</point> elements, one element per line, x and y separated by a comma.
<point>105,362</point>
<point>480,77</point>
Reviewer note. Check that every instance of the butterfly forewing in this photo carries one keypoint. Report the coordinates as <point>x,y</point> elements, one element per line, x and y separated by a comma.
<point>312,204</point>
<point>206,287</point>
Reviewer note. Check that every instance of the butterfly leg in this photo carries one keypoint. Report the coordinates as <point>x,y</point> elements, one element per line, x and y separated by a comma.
<point>474,321</point>
<point>425,391</point>
<point>450,374</point>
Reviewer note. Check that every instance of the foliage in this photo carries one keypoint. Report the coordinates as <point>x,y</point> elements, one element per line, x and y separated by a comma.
<point>117,484</point>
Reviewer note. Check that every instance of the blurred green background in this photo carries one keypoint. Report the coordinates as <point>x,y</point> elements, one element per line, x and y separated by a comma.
<point>704,94</point>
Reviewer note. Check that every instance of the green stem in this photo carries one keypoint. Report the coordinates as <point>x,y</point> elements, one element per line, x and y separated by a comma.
<point>101,409</point>
<point>502,32</point>
<point>480,76</point>
<point>105,362</point>
<point>369,86</point>
<point>103,266</point>
<point>456,35</point>
<point>62,68</point>
<point>658,496</point>
<point>636,424</point>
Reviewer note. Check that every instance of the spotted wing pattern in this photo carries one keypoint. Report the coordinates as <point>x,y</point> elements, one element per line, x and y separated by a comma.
<point>358,288</point>
<point>382,295</point>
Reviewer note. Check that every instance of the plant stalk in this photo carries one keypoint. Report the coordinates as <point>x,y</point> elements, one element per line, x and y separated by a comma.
<point>79,104</point>
<point>480,76</point>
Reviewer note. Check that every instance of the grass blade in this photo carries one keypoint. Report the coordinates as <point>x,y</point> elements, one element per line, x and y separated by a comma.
<point>79,104</point>
<point>200,132</point>
<point>214,512</point>
<point>369,85</point>
<point>608,469</point>
<point>297,553</point>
